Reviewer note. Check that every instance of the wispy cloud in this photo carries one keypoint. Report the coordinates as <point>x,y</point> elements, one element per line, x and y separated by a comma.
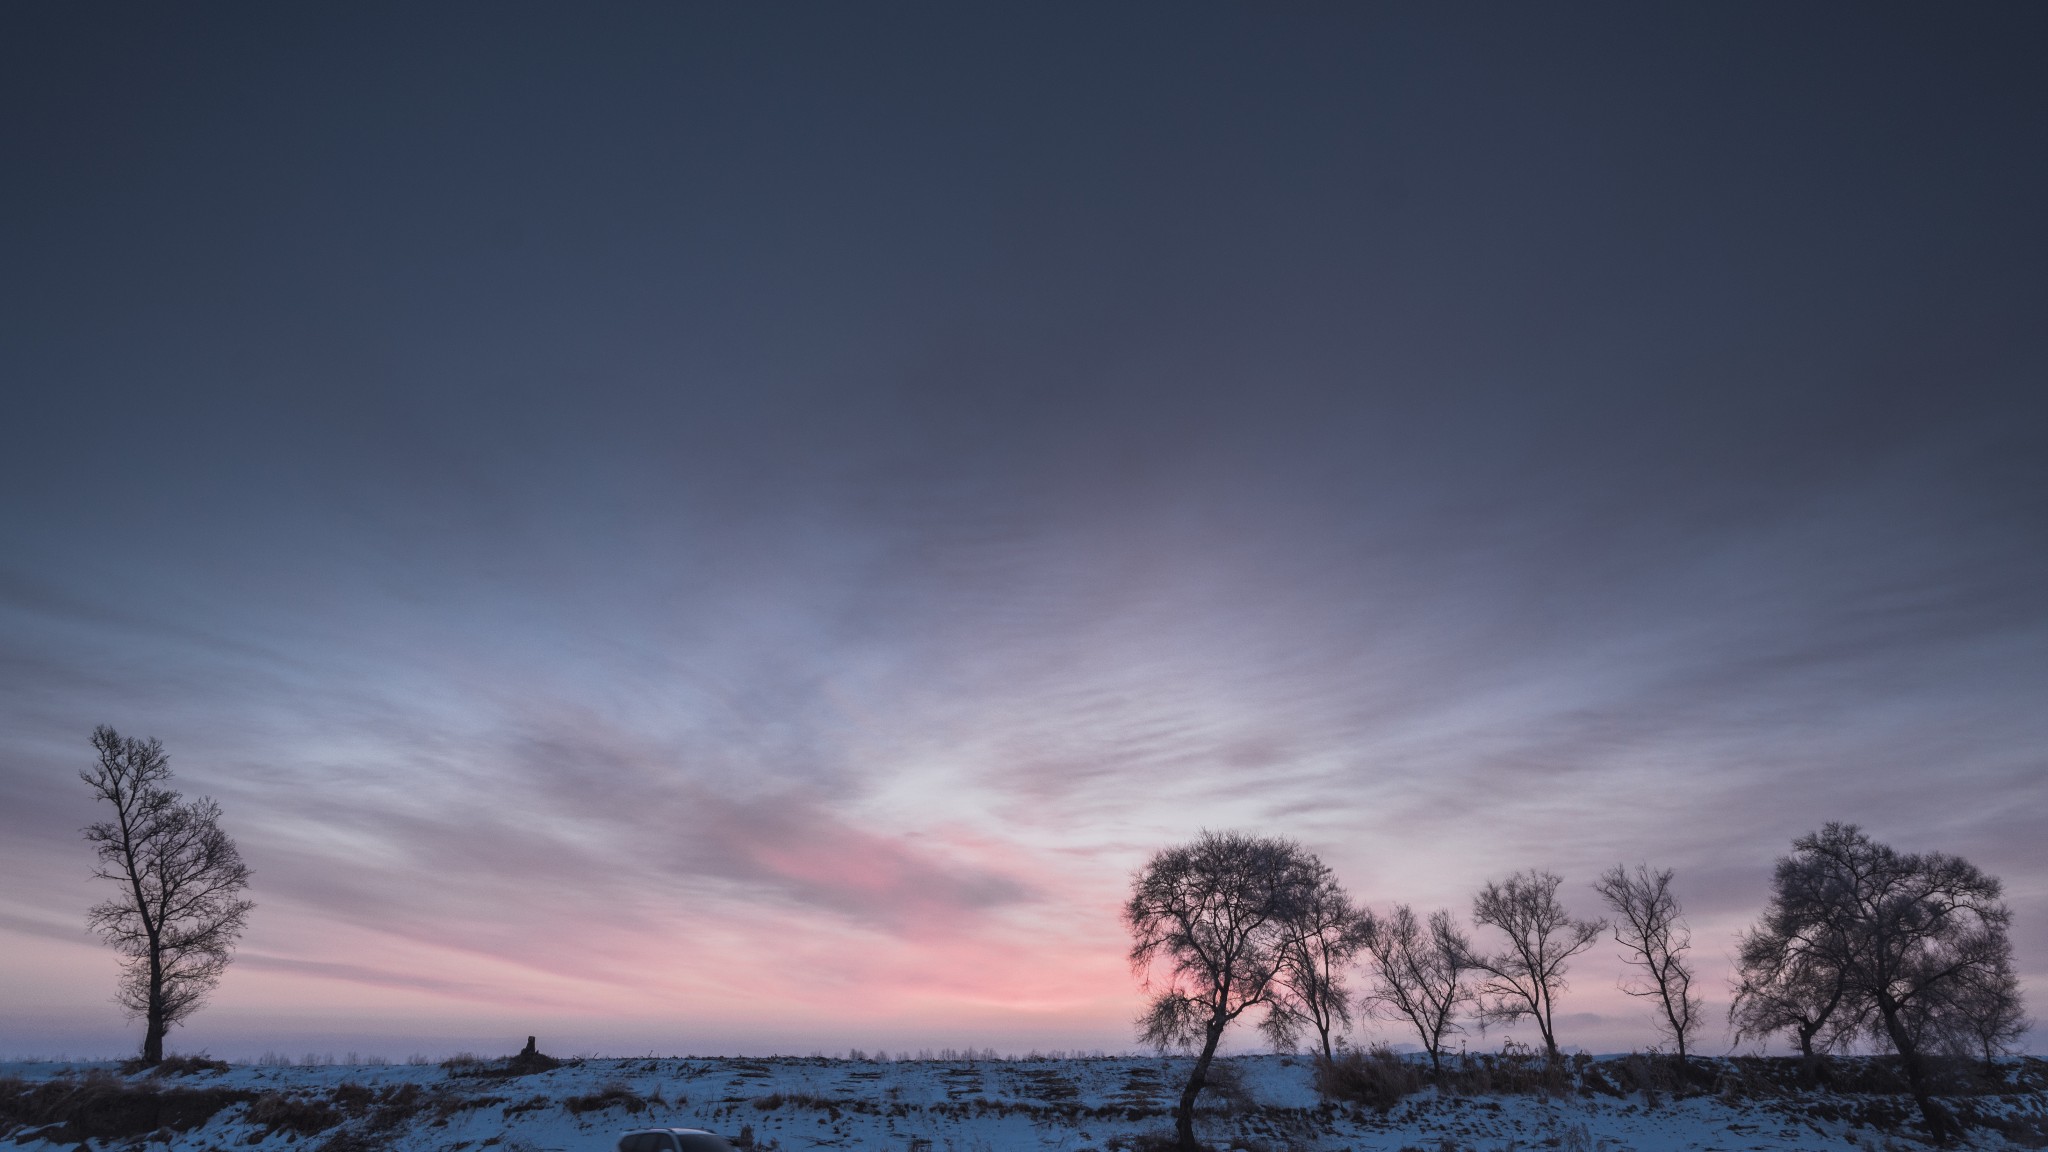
<point>799,565</point>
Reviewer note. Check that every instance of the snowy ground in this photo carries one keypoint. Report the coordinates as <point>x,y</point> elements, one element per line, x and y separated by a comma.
<point>1107,1104</point>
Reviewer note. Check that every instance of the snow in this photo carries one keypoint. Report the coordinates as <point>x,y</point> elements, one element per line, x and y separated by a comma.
<point>793,1104</point>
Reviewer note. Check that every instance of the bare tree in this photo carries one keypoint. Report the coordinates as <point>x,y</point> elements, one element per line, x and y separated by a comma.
<point>1526,977</point>
<point>1915,937</point>
<point>1982,1015</point>
<point>1317,948</point>
<point>180,909</point>
<point>1650,927</point>
<point>1419,975</point>
<point>1778,989</point>
<point>1209,921</point>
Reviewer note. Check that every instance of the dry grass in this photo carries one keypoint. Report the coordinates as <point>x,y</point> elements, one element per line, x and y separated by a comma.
<point>277,1112</point>
<point>104,1106</point>
<point>1377,1079</point>
<point>606,1097</point>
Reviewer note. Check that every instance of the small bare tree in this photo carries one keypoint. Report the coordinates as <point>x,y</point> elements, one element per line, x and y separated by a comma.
<point>1778,989</point>
<point>1209,922</point>
<point>180,909</point>
<point>1983,1014</point>
<point>1418,975</point>
<point>1317,948</point>
<point>1526,977</point>
<point>1650,927</point>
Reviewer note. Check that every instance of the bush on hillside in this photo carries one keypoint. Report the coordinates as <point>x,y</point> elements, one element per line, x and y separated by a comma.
<point>1378,1079</point>
<point>608,1096</point>
<point>277,1112</point>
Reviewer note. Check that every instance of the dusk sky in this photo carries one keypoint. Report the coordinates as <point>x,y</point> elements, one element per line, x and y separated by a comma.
<point>736,528</point>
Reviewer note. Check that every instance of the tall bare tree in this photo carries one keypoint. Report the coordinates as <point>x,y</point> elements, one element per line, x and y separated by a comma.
<point>1315,952</point>
<point>1527,977</point>
<point>1650,927</point>
<point>1209,921</point>
<point>180,908</point>
<point>1419,975</point>
<point>1910,935</point>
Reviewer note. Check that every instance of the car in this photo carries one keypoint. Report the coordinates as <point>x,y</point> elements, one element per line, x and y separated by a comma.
<point>673,1140</point>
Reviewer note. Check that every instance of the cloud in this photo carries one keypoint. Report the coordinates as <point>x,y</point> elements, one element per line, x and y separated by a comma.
<point>47,929</point>
<point>867,582</point>
<point>800,850</point>
<point>408,981</point>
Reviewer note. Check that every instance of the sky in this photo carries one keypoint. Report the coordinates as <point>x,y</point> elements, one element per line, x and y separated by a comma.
<point>737,529</point>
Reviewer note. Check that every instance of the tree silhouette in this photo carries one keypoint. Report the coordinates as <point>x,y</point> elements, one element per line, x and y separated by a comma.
<point>1778,989</point>
<point>1209,922</point>
<point>1419,976</point>
<point>1317,948</point>
<point>1650,927</point>
<point>1526,977</point>
<point>1918,939</point>
<point>180,911</point>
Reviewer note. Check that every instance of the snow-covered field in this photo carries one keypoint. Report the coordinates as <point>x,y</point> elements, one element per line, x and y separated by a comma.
<point>799,1104</point>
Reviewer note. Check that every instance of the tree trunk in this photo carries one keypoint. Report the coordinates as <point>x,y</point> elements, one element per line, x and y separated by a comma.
<point>153,1037</point>
<point>1676,1031</point>
<point>1184,1114</point>
<point>1939,1124</point>
<point>153,1040</point>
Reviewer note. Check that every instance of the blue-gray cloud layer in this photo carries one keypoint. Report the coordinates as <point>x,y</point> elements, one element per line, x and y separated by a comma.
<point>631,452</point>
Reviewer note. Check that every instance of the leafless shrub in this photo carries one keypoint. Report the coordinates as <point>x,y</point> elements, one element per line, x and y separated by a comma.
<point>607,1096</point>
<point>1516,1069</point>
<point>1377,1079</point>
<point>398,1104</point>
<point>1642,1074</point>
<point>179,1065</point>
<point>1226,1083</point>
<point>524,1063</point>
<point>277,1112</point>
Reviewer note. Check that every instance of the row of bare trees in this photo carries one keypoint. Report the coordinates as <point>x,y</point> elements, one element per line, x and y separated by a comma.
<point>1908,951</point>
<point>1429,975</point>
<point>1231,923</point>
